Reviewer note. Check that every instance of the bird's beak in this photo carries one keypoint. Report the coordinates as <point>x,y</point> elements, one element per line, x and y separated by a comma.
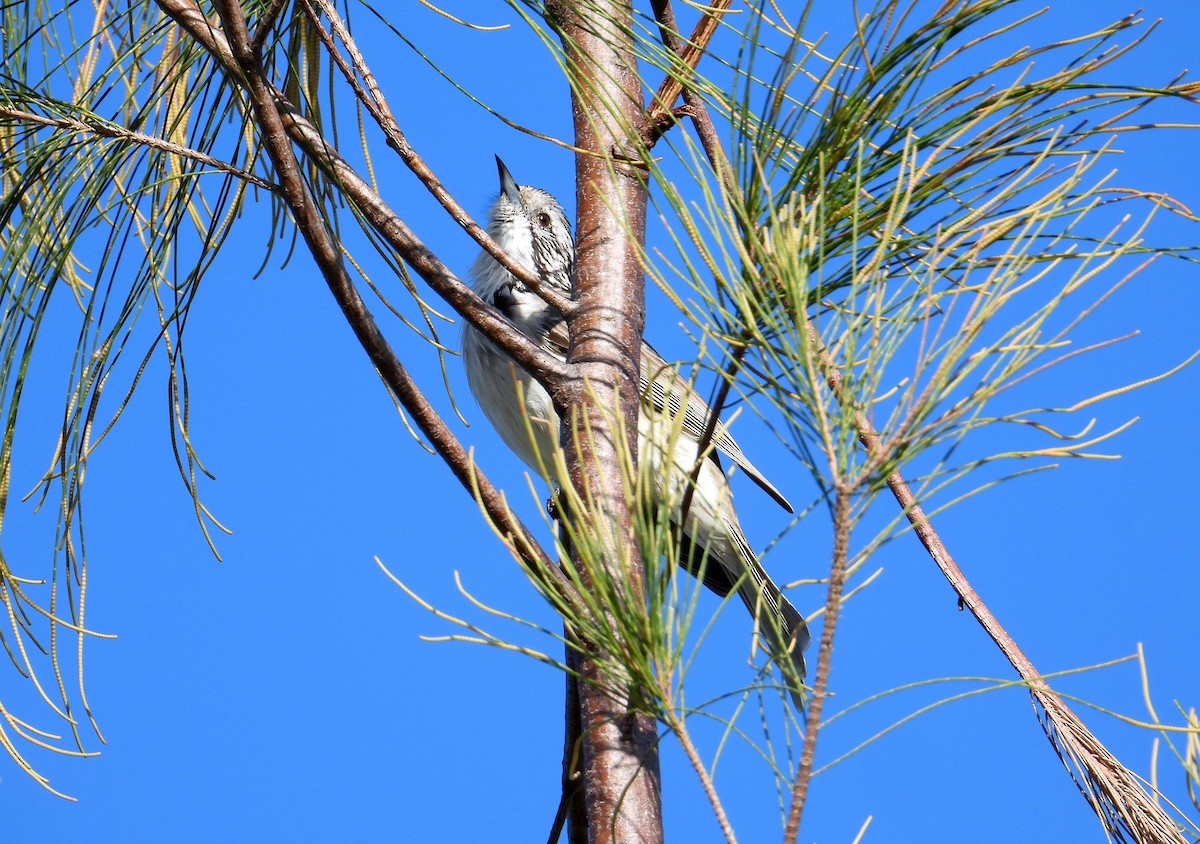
<point>508,185</point>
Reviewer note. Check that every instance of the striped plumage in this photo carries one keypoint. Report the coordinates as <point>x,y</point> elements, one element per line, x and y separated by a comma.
<point>531,227</point>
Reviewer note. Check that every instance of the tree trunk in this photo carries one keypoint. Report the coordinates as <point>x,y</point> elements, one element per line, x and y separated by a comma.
<point>621,784</point>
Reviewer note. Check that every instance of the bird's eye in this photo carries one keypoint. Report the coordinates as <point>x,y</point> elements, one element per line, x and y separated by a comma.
<point>544,220</point>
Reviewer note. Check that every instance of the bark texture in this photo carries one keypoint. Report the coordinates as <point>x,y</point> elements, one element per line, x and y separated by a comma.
<point>619,753</point>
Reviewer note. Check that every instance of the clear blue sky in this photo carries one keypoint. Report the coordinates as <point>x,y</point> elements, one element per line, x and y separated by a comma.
<point>283,694</point>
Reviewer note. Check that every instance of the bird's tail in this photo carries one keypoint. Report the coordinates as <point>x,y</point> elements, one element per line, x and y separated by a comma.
<point>780,624</point>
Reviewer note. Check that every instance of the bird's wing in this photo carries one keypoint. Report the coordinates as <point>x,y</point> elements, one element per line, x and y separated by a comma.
<point>557,339</point>
<point>663,388</point>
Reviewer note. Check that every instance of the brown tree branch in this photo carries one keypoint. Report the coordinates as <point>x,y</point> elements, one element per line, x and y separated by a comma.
<point>622,791</point>
<point>328,258</point>
<point>103,129</point>
<point>386,222</point>
<point>697,109</point>
<point>371,96</point>
<point>690,52</point>
<point>710,141</point>
<point>842,525</point>
<point>267,20</point>
<point>1112,791</point>
<point>571,808</point>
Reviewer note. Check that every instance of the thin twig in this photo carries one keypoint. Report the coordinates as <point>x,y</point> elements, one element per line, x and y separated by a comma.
<point>697,109</point>
<point>689,53</point>
<point>842,524</point>
<point>371,96</point>
<point>328,258</point>
<point>1118,789</point>
<point>120,133</point>
<point>572,806</point>
<point>533,359</point>
<point>706,780</point>
<point>265,22</point>
<point>1101,771</point>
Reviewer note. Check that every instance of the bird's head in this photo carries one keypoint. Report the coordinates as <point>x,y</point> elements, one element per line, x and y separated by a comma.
<point>530,225</point>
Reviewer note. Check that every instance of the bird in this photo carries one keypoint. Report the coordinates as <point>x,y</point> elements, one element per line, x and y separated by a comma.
<point>530,225</point>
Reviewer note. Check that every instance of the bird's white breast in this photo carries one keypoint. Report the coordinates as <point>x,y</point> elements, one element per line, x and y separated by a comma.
<point>518,407</point>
